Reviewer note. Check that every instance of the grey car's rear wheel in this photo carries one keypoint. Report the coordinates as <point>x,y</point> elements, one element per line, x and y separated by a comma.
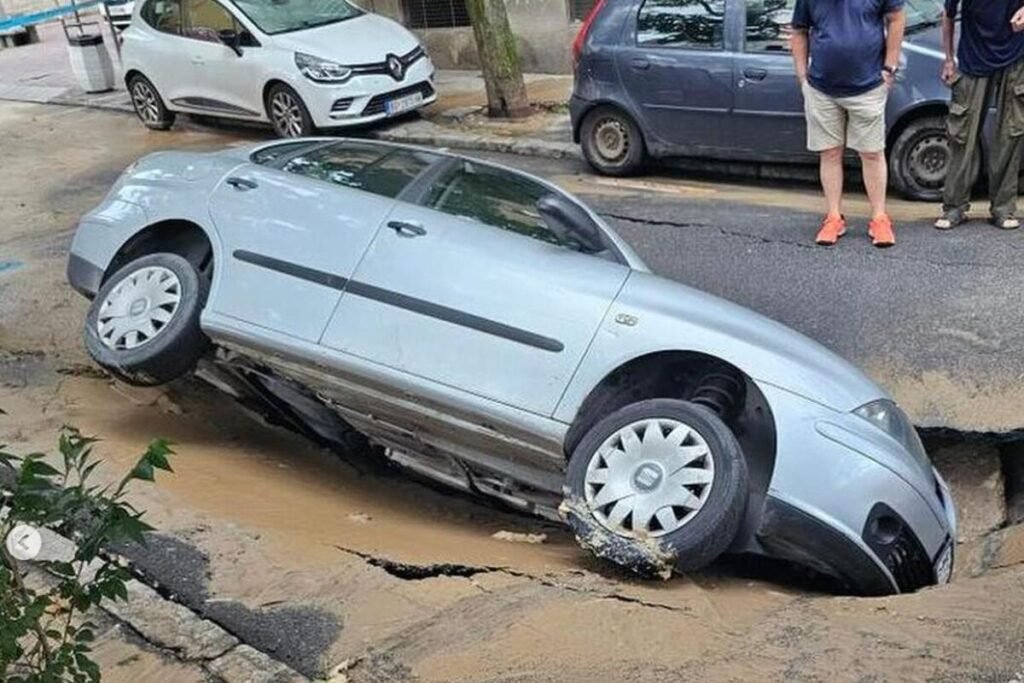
<point>143,325</point>
<point>612,142</point>
<point>287,112</point>
<point>148,104</point>
<point>663,470</point>
<point>919,160</point>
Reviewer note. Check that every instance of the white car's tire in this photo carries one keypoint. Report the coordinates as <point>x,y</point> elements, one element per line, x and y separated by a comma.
<point>148,104</point>
<point>658,484</point>
<point>288,113</point>
<point>143,325</point>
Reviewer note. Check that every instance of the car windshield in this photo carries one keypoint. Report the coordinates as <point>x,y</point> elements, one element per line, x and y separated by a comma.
<point>923,13</point>
<point>281,16</point>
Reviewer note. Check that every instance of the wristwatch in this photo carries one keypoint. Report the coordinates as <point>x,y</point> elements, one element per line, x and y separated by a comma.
<point>891,70</point>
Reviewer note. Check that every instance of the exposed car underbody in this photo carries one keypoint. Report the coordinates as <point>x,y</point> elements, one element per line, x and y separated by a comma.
<point>342,416</point>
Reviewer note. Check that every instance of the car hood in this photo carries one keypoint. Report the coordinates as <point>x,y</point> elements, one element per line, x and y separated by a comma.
<point>673,316</point>
<point>367,39</point>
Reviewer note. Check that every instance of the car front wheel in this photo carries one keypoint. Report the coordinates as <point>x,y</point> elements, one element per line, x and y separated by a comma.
<point>657,485</point>
<point>143,325</point>
<point>612,142</point>
<point>288,113</point>
<point>148,104</point>
<point>919,160</point>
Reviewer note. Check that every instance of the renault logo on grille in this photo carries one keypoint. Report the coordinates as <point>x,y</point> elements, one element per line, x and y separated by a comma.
<point>395,67</point>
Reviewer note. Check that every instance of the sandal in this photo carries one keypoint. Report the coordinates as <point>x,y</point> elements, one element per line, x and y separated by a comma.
<point>1009,222</point>
<point>950,219</point>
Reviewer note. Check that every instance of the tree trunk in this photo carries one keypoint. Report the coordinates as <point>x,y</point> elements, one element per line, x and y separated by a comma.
<point>499,59</point>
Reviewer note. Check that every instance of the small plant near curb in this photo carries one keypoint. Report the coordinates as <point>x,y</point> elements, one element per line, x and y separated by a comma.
<point>43,637</point>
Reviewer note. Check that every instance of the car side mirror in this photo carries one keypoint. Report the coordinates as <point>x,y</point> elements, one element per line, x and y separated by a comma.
<point>571,223</point>
<point>231,39</point>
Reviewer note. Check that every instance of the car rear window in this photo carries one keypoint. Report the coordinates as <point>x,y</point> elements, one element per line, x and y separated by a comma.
<point>363,166</point>
<point>265,155</point>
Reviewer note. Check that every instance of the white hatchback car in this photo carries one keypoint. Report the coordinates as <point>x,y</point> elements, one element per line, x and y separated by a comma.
<point>299,64</point>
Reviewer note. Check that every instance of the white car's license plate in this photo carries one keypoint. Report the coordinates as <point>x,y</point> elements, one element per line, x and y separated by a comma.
<point>400,104</point>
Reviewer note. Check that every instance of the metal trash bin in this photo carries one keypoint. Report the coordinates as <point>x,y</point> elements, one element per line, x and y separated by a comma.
<point>90,62</point>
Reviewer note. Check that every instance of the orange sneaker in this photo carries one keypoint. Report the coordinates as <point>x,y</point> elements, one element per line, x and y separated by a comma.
<point>880,232</point>
<point>832,228</point>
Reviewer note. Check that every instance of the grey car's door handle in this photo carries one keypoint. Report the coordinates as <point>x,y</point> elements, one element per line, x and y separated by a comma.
<point>755,74</point>
<point>640,63</point>
<point>242,184</point>
<point>407,228</point>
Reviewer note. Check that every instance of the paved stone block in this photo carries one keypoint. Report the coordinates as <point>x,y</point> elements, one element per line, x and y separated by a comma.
<point>244,664</point>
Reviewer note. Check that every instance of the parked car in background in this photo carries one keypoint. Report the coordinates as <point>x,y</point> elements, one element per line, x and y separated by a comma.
<point>715,79</point>
<point>488,330</point>
<point>119,12</point>
<point>298,64</point>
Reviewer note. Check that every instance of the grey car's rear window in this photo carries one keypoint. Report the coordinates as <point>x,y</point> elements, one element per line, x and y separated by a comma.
<point>363,166</point>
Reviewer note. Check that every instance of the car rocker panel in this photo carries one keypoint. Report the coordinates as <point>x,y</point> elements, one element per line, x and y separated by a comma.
<point>749,438</point>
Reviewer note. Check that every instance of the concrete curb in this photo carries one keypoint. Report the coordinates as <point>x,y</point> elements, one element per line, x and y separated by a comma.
<point>171,626</point>
<point>531,147</point>
<point>414,133</point>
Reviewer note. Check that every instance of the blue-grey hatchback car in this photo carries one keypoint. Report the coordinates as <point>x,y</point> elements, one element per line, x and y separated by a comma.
<point>715,79</point>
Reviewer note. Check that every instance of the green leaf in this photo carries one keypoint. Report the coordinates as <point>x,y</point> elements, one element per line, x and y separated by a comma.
<point>143,470</point>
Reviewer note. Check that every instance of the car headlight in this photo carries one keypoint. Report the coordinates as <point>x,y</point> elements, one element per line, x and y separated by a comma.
<point>891,419</point>
<point>321,70</point>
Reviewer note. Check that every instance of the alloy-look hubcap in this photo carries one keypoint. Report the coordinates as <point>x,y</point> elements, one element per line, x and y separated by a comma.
<point>286,114</point>
<point>649,478</point>
<point>145,102</point>
<point>138,309</point>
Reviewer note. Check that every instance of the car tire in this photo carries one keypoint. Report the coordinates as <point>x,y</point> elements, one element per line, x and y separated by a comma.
<point>288,113</point>
<point>612,142</point>
<point>703,534</point>
<point>148,104</point>
<point>172,344</point>
<point>919,158</point>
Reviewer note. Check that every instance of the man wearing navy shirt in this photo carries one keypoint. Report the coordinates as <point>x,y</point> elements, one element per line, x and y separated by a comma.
<point>846,54</point>
<point>991,66</point>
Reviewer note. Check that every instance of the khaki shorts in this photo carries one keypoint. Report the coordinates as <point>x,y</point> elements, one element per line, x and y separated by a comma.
<point>856,122</point>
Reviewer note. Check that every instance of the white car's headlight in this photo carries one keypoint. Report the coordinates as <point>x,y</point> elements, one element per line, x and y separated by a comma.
<point>891,419</point>
<point>321,70</point>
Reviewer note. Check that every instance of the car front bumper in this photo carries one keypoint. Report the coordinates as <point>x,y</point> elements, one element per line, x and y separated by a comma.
<point>850,502</point>
<point>364,99</point>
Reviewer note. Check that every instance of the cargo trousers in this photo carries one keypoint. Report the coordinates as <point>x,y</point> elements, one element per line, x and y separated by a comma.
<point>967,112</point>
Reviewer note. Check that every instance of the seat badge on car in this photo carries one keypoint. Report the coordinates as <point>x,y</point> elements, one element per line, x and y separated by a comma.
<point>627,319</point>
<point>395,67</point>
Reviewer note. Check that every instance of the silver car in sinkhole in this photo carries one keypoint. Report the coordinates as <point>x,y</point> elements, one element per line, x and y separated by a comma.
<point>481,327</point>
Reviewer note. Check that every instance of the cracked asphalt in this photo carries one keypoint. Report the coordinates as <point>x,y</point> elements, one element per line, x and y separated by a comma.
<point>346,574</point>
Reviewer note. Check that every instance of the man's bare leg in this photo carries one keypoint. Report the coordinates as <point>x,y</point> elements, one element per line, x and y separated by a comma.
<point>831,172</point>
<point>876,180</point>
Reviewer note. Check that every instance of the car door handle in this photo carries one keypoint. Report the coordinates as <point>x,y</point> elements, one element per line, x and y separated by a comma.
<point>198,60</point>
<point>640,63</point>
<point>755,74</point>
<point>242,184</point>
<point>407,228</point>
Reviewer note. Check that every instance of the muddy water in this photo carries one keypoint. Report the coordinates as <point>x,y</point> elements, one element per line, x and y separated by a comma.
<point>282,542</point>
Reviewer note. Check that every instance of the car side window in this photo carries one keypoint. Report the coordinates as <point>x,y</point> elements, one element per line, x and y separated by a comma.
<point>493,197</point>
<point>205,19</point>
<point>687,24</point>
<point>768,25</point>
<point>373,168</point>
<point>163,15</point>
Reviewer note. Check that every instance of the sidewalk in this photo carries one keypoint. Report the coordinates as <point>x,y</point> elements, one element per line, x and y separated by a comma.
<point>41,73</point>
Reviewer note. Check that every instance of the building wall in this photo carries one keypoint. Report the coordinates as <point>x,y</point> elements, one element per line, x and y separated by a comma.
<point>10,7</point>
<point>542,28</point>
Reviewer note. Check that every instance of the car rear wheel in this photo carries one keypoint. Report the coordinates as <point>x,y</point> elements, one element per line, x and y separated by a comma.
<point>920,159</point>
<point>148,104</point>
<point>287,112</point>
<point>663,472</point>
<point>143,325</point>
<point>612,142</point>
